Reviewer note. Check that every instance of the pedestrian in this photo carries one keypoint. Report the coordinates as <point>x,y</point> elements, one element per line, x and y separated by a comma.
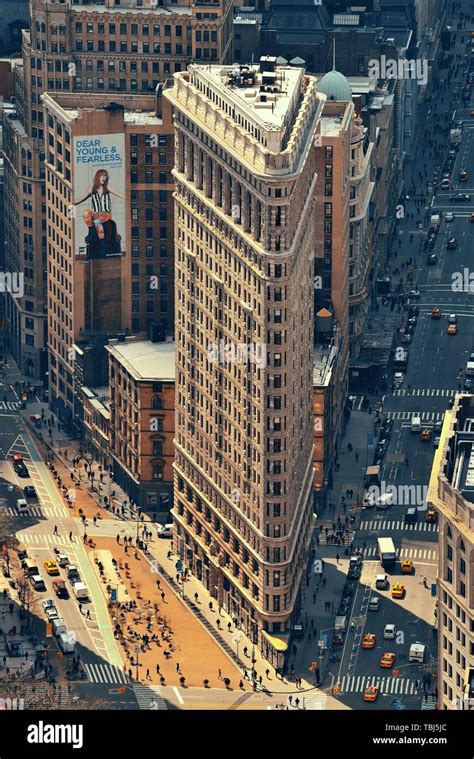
<point>148,676</point>
<point>241,685</point>
<point>88,614</point>
<point>177,666</point>
<point>85,537</point>
<point>162,596</point>
<point>157,669</point>
<point>229,626</point>
<point>196,597</point>
<point>219,674</point>
<point>267,673</point>
<point>314,598</point>
<point>118,538</point>
<point>337,558</point>
<point>55,531</point>
<point>260,679</point>
<point>158,584</point>
<point>290,700</point>
<point>211,608</point>
<point>80,608</point>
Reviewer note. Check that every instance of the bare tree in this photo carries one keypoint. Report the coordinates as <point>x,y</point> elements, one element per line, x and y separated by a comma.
<point>43,695</point>
<point>8,540</point>
<point>27,597</point>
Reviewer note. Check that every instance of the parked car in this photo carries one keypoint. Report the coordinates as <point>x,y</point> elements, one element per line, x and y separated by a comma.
<point>432,259</point>
<point>451,244</point>
<point>165,531</point>
<point>30,492</point>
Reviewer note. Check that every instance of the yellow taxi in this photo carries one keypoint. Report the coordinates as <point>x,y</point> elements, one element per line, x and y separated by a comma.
<point>406,566</point>
<point>368,640</point>
<point>51,567</point>
<point>425,434</point>
<point>371,693</point>
<point>387,661</point>
<point>452,329</point>
<point>398,590</point>
<point>436,313</point>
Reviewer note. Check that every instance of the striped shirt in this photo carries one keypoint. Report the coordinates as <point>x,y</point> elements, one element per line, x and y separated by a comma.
<point>101,202</point>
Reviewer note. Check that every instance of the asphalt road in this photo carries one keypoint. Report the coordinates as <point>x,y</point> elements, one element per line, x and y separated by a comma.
<point>432,377</point>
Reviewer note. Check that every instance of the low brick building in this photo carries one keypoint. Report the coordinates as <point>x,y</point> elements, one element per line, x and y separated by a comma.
<point>142,423</point>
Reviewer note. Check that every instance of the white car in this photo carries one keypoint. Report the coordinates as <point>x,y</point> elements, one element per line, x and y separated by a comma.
<point>48,603</point>
<point>165,531</point>
<point>389,632</point>
<point>52,613</point>
<point>449,216</point>
<point>374,603</point>
<point>381,582</point>
<point>398,378</point>
<point>452,319</point>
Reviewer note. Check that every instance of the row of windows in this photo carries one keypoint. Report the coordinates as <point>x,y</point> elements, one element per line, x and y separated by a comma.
<point>125,29</point>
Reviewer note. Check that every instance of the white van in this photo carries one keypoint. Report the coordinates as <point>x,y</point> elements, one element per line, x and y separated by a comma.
<point>416,423</point>
<point>59,626</point>
<point>66,642</point>
<point>37,582</point>
<point>417,652</point>
<point>384,500</point>
<point>165,531</point>
<point>80,591</point>
<point>21,505</point>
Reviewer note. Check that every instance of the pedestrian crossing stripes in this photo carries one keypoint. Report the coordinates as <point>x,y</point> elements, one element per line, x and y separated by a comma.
<point>406,553</point>
<point>9,405</point>
<point>36,511</point>
<point>385,524</point>
<point>324,542</point>
<point>106,673</point>
<point>426,416</point>
<point>35,539</point>
<point>428,392</point>
<point>428,704</point>
<point>149,697</point>
<point>357,684</point>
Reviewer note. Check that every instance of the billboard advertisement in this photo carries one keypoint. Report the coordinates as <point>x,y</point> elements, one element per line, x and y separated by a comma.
<point>99,196</point>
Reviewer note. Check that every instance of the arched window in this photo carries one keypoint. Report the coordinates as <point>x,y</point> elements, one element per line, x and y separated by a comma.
<point>462,547</point>
<point>449,533</point>
<point>157,402</point>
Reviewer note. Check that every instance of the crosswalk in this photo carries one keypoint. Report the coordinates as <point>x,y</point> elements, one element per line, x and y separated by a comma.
<point>346,540</point>
<point>149,697</point>
<point>106,673</point>
<point>429,554</point>
<point>426,416</point>
<point>9,405</point>
<point>428,705</point>
<point>386,524</point>
<point>35,511</point>
<point>39,539</point>
<point>428,392</point>
<point>388,684</point>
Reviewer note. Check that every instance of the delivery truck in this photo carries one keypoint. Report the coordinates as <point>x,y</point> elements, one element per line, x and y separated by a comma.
<point>387,553</point>
<point>67,642</point>
<point>417,652</point>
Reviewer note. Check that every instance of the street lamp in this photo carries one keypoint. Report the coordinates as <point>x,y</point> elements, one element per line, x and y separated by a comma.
<point>237,638</point>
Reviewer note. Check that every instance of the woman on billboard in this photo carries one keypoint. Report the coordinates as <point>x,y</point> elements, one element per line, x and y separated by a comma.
<point>102,239</point>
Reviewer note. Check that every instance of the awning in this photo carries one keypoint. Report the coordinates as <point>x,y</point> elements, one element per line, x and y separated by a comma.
<point>278,642</point>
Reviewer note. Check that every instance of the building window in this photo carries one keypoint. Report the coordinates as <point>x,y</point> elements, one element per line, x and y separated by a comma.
<point>157,402</point>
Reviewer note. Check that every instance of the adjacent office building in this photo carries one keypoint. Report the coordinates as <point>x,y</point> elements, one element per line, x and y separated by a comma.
<point>121,47</point>
<point>244,263</point>
<point>451,492</point>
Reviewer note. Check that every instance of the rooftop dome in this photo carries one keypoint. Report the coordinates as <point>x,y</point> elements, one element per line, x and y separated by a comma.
<point>336,87</point>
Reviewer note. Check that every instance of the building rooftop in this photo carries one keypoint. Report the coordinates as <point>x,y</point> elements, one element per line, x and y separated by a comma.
<point>180,9</point>
<point>262,99</point>
<point>144,360</point>
<point>324,359</point>
<point>335,86</point>
<point>331,125</point>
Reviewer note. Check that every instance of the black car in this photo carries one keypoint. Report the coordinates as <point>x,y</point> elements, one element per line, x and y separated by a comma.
<point>460,197</point>
<point>409,329</point>
<point>21,469</point>
<point>30,492</point>
<point>430,241</point>
<point>413,311</point>
<point>432,259</point>
<point>451,244</point>
<point>387,427</point>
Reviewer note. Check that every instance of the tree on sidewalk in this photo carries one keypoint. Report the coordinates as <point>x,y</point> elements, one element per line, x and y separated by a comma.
<point>8,540</point>
<point>27,597</point>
